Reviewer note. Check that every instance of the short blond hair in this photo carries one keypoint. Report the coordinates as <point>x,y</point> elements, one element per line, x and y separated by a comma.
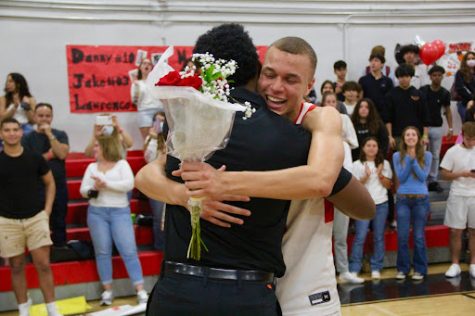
<point>297,46</point>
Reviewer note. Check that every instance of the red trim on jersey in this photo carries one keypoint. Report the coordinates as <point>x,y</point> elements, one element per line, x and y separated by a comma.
<point>305,107</point>
<point>329,211</point>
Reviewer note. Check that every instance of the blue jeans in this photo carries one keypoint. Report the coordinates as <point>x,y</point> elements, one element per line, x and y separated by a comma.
<point>462,109</point>
<point>158,233</point>
<point>113,224</point>
<point>435,142</point>
<point>418,209</point>
<point>379,224</point>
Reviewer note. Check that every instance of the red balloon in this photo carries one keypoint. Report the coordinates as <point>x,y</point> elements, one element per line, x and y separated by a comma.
<point>429,53</point>
<point>440,47</point>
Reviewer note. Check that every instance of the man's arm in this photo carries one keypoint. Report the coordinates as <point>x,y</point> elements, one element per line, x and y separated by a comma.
<point>50,191</point>
<point>316,179</point>
<point>452,175</point>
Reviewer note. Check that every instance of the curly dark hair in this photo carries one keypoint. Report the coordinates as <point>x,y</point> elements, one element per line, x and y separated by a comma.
<point>231,41</point>
<point>373,121</point>
<point>21,87</point>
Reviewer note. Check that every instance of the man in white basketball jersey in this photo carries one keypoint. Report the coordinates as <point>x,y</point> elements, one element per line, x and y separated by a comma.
<point>309,284</point>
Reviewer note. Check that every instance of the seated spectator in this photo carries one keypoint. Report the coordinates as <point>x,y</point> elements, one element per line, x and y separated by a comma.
<point>106,183</point>
<point>53,144</point>
<point>340,70</point>
<point>341,221</point>
<point>458,166</point>
<point>328,86</point>
<point>24,219</point>
<point>367,123</point>
<point>412,165</point>
<point>376,174</point>
<point>124,138</point>
<point>18,102</point>
<point>154,148</point>
<point>351,91</point>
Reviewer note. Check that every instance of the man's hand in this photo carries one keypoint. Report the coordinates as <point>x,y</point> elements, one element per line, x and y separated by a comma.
<point>45,129</point>
<point>218,213</point>
<point>202,180</point>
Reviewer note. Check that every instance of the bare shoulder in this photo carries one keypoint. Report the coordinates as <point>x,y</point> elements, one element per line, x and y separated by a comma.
<point>322,118</point>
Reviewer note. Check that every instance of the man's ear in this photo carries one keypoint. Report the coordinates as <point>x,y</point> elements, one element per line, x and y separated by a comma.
<point>310,86</point>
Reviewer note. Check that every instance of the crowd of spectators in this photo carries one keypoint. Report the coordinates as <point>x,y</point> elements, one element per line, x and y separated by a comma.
<point>392,131</point>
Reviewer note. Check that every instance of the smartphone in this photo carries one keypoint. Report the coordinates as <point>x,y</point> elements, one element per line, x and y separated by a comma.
<point>25,106</point>
<point>103,120</point>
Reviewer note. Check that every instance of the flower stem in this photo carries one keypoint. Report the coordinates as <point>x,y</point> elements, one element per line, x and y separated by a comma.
<point>194,248</point>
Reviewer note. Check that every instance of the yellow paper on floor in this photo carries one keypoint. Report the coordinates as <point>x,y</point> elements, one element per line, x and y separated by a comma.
<point>68,306</point>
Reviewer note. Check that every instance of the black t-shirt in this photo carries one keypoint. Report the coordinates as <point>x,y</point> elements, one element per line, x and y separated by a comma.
<point>406,108</point>
<point>266,141</point>
<point>39,143</point>
<point>376,89</point>
<point>435,101</point>
<point>363,132</point>
<point>19,184</point>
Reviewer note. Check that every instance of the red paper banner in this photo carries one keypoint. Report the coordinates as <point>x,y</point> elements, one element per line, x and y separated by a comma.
<point>99,77</point>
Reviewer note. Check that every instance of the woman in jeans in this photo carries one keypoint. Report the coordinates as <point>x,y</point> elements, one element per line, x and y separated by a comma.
<point>375,173</point>
<point>412,166</point>
<point>106,183</point>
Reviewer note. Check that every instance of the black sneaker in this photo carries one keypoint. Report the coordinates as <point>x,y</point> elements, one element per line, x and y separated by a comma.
<point>435,187</point>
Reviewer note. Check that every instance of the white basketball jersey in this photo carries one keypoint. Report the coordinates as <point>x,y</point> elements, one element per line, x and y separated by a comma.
<point>309,284</point>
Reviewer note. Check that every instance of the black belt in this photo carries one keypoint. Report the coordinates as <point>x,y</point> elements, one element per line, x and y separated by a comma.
<point>217,273</point>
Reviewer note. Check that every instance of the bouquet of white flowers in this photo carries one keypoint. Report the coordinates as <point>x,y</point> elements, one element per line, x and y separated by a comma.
<point>199,117</point>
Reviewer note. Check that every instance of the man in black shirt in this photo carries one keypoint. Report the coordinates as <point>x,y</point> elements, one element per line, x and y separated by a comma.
<point>406,107</point>
<point>437,97</point>
<point>375,85</point>
<point>53,145</point>
<point>23,218</point>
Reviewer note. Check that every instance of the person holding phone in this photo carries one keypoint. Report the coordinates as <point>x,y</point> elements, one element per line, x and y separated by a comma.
<point>18,102</point>
<point>458,166</point>
<point>106,183</point>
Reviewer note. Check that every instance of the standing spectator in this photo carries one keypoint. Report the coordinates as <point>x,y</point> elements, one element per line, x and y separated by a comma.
<point>458,166</point>
<point>18,102</point>
<point>106,183</point>
<point>465,82</point>
<point>147,106</point>
<point>328,86</point>
<point>340,70</point>
<point>53,144</point>
<point>154,149</point>
<point>342,221</point>
<point>367,123</point>
<point>376,174</point>
<point>380,51</point>
<point>375,84</point>
<point>470,114</point>
<point>437,97</point>
<point>412,165</point>
<point>124,138</point>
<point>351,92</point>
<point>410,56</point>
<point>406,107</point>
<point>23,218</point>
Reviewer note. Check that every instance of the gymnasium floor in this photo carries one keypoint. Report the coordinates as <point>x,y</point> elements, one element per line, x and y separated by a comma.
<point>434,296</point>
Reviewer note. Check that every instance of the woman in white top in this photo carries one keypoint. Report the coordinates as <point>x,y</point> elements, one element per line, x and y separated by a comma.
<point>106,183</point>
<point>147,106</point>
<point>375,173</point>
<point>18,102</point>
<point>342,221</point>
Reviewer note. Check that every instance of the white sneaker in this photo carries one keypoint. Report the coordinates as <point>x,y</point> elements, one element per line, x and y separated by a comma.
<point>376,275</point>
<point>106,298</point>
<point>453,271</point>
<point>142,297</point>
<point>472,270</point>
<point>417,276</point>
<point>350,277</point>
<point>24,309</point>
<point>400,275</point>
